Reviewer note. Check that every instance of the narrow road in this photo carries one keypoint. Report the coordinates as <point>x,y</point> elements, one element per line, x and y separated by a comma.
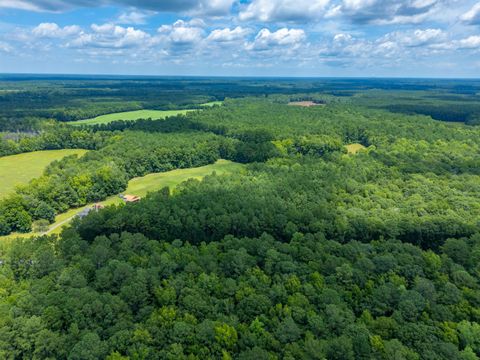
<point>58,225</point>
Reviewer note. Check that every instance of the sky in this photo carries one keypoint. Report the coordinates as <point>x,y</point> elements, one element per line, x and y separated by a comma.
<point>313,38</point>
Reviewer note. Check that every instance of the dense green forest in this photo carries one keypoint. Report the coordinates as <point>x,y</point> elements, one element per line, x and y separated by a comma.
<point>310,253</point>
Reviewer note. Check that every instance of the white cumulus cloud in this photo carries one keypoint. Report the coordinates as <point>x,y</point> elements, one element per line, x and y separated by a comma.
<point>417,37</point>
<point>228,35</point>
<point>388,11</point>
<point>111,36</point>
<point>472,16</point>
<point>212,7</point>
<point>471,42</point>
<point>52,30</point>
<point>134,17</point>
<point>183,32</point>
<point>283,10</point>
<point>284,37</point>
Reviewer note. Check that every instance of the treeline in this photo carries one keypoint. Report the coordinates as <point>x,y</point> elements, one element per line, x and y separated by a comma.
<point>51,136</point>
<point>455,106</point>
<point>73,182</point>
<point>467,113</point>
<point>93,109</point>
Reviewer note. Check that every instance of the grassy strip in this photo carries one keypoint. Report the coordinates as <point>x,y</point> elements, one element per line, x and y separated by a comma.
<point>130,115</point>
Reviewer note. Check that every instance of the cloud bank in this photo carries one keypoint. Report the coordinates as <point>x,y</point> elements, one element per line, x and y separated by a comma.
<point>365,35</point>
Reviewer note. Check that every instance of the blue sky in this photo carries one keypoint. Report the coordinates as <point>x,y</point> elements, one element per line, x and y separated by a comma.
<point>405,38</point>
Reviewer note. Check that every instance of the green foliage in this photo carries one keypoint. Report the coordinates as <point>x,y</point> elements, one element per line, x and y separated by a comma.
<point>40,226</point>
<point>310,253</point>
<point>126,295</point>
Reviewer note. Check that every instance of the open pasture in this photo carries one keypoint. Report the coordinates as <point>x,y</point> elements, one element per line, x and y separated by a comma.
<point>130,115</point>
<point>20,169</point>
<point>152,182</point>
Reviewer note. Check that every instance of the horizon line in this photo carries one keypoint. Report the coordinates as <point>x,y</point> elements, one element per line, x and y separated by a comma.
<point>12,74</point>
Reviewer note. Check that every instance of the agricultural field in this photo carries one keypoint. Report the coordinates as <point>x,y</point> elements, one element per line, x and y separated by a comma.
<point>20,169</point>
<point>130,115</point>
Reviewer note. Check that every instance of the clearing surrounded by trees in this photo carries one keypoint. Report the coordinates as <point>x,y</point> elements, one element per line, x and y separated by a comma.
<point>28,166</point>
<point>131,115</point>
<point>305,103</point>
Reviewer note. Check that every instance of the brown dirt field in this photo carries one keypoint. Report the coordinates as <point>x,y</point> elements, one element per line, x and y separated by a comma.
<point>304,103</point>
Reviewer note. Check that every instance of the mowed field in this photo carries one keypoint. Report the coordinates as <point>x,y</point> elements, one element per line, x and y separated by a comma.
<point>143,185</point>
<point>354,148</point>
<point>130,115</point>
<point>212,103</point>
<point>20,169</point>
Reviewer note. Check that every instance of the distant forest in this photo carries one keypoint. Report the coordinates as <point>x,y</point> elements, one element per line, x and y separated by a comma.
<point>69,98</point>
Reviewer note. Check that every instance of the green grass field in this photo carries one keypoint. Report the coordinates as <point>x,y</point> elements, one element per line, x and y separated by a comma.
<point>130,115</point>
<point>20,169</point>
<point>143,185</point>
<point>212,103</point>
<point>354,148</point>
<point>138,114</point>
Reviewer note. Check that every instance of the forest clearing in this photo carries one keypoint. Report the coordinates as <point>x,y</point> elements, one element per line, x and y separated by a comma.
<point>130,115</point>
<point>28,166</point>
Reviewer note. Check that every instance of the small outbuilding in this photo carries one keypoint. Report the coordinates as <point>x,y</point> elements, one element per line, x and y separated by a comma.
<point>130,198</point>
